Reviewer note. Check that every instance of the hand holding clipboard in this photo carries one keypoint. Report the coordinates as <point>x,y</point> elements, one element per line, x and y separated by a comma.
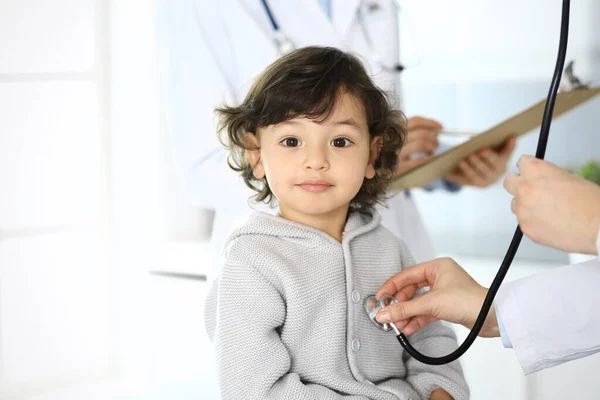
<point>517,125</point>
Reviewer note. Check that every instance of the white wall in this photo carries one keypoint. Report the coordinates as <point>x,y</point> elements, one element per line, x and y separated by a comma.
<point>87,200</point>
<point>56,315</point>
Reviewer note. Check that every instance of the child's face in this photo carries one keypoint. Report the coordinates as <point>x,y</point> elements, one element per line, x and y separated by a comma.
<point>317,168</point>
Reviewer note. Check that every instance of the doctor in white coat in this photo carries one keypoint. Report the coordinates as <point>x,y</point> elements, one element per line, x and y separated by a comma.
<point>212,50</point>
<point>548,318</point>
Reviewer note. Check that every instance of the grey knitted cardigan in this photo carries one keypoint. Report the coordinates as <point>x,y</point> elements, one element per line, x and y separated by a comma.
<point>287,320</point>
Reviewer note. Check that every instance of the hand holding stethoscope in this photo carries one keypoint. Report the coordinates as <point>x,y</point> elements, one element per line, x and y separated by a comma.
<point>483,316</point>
<point>374,304</point>
<point>559,210</point>
<point>453,296</point>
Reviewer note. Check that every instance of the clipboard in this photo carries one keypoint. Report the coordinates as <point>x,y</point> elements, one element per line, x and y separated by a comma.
<point>517,125</point>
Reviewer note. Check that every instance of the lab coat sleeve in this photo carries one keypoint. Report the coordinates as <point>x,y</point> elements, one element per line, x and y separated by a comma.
<point>503,334</point>
<point>436,339</point>
<point>553,317</point>
<point>243,314</point>
<point>193,84</point>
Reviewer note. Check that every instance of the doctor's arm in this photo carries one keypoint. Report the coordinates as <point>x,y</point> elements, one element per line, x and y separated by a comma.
<point>548,318</point>
<point>244,314</point>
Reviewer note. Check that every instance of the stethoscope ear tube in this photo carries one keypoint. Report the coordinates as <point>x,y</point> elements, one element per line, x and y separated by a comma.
<point>514,245</point>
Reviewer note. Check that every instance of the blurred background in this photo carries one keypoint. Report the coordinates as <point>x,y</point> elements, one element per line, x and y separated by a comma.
<point>89,202</point>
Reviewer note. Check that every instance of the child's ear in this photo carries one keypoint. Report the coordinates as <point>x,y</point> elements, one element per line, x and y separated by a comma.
<point>376,145</point>
<point>253,154</point>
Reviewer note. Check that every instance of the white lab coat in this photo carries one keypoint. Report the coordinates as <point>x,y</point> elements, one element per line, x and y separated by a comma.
<point>212,51</point>
<point>554,316</point>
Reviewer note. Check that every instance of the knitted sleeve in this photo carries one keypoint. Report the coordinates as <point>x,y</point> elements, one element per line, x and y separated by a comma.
<point>434,340</point>
<point>252,361</point>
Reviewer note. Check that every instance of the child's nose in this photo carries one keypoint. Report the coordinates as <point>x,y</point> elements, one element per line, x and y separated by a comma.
<point>317,159</point>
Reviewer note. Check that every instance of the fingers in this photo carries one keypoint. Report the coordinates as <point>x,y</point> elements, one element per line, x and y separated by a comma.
<point>419,306</point>
<point>533,167</point>
<point>420,141</point>
<point>420,122</point>
<point>407,292</point>
<point>421,137</point>
<point>473,176</point>
<point>495,161</point>
<point>481,167</point>
<point>511,182</point>
<point>524,162</point>
<point>422,134</point>
<point>405,165</point>
<point>411,325</point>
<point>509,148</point>
<point>420,146</point>
<point>409,276</point>
<point>514,206</point>
<point>417,146</point>
<point>414,324</point>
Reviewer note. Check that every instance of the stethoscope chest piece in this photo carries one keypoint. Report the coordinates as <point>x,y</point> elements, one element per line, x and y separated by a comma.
<point>372,307</point>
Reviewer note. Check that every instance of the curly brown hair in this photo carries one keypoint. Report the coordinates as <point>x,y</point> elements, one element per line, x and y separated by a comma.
<point>306,83</point>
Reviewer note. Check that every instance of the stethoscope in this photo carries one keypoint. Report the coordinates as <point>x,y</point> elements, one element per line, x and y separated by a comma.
<point>284,45</point>
<point>372,305</point>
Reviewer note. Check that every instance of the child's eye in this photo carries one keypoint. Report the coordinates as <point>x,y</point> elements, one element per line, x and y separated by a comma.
<point>341,142</point>
<point>290,142</point>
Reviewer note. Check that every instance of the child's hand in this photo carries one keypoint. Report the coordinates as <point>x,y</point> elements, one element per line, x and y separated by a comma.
<point>440,394</point>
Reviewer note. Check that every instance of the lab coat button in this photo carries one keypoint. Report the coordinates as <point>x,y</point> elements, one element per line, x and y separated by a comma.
<point>355,296</point>
<point>356,345</point>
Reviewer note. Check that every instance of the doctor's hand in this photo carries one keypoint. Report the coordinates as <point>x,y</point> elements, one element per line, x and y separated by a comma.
<point>483,168</point>
<point>421,139</point>
<point>554,207</point>
<point>454,296</point>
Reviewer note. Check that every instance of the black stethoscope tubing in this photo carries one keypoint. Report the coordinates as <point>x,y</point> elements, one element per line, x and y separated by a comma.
<point>518,235</point>
<point>514,245</point>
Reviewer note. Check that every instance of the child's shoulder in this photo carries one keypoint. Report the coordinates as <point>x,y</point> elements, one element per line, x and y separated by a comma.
<point>247,236</point>
<point>263,239</point>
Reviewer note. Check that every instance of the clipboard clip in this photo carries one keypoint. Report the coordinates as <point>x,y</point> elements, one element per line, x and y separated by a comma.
<point>570,81</point>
